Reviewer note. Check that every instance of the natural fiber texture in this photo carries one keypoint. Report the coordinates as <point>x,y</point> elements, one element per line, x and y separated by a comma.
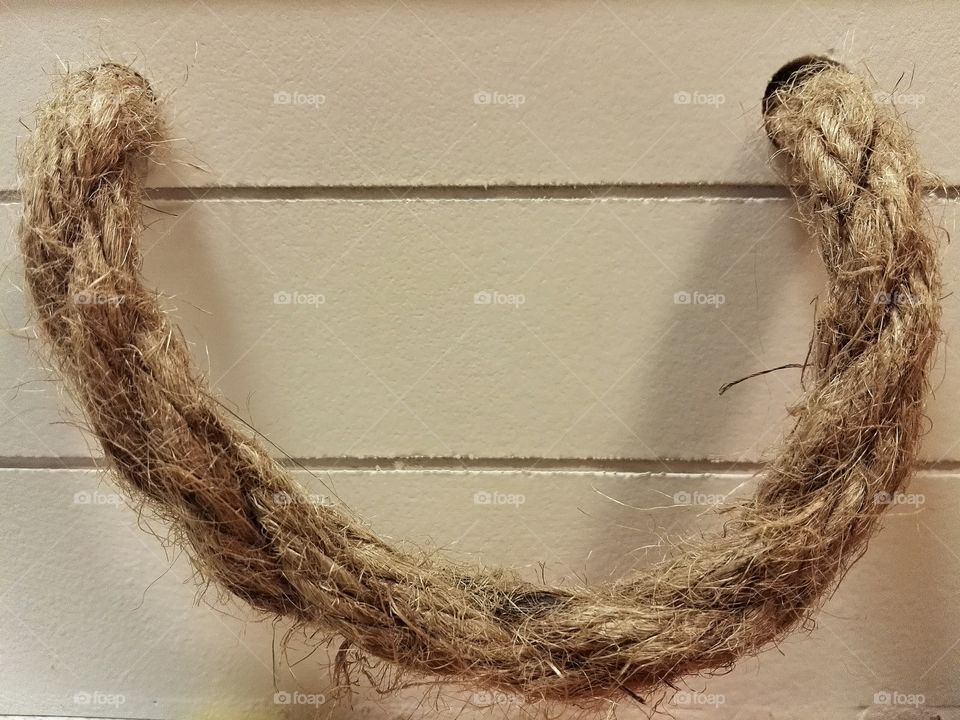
<point>709,603</point>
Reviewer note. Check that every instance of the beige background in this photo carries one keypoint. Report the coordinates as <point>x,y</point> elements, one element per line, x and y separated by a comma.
<point>393,165</point>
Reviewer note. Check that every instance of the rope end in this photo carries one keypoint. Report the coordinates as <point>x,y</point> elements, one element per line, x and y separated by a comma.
<point>793,73</point>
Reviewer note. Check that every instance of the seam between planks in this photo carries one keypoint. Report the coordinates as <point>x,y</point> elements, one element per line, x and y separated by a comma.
<point>453,465</point>
<point>395,193</point>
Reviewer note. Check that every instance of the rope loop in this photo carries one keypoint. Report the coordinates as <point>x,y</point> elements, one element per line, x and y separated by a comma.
<point>170,445</point>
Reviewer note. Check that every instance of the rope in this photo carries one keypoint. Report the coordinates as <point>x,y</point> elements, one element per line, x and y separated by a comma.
<point>170,445</point>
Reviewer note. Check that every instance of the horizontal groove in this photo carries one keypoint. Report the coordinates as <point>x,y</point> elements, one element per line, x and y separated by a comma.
<point>416,463</point>
<point>474,192</point>
<point>531,464</point>
<point>483,464</point>
<point>395,193</point>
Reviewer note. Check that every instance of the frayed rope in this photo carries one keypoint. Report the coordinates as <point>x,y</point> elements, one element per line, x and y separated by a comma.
<point>171,446</point>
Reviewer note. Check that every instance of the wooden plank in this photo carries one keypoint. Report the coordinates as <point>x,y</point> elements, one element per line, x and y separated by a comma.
<point>569,92</point>
<point>581,352</point>
<point>92,607</point>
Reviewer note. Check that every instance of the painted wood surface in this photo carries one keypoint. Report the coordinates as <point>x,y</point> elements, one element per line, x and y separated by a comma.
<point>106,623</point>
<point>420,93</point>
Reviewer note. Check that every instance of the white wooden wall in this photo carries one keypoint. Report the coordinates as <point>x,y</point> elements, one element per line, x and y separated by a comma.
<point>581,162</point>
